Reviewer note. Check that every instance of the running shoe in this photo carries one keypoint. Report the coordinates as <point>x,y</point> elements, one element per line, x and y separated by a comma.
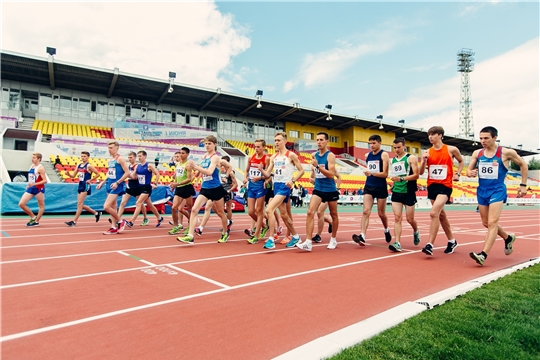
<point>508,248</point>
<point>32,223</point>
<point>387,236</point>
<point>395,247</point>
<point>416,236</point>
<point>188,239</point>
<point>248,232</point>
<point>145,222</point>
<point>186,231</point>
<point>224,237</point>
<point>198,231</point>
<point>316,238</point>
<point>175,230</point>
<point>98,215</point>
<point>359,239</point>
<point>253,240</point>
<point>269,244</point>
<point>111,231</point>
<point>70,223</point>
<point>294,240</point>
<point>329,228</point>
<point>159,222</point>
<point>279,230</point>
<point>286,240</point>
<point>428,249</point>
<point>479,258</point>
<point>332,244</point>
<point>264,231</point>
<point>129,224</point>
<point>306,245</point>
<point>121,226</point>
<point>229,224</point>
<point>450,247</point>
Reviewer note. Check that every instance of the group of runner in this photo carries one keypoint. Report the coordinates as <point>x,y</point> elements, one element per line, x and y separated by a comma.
<point>269,181</point>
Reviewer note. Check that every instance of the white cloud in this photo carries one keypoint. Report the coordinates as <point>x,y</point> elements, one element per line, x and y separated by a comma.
<point>328,66</point>
<point>504,94</point>
<point>194,39</point>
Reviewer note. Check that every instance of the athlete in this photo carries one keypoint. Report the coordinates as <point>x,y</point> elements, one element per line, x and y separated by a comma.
<point>321,216</point>
<point>490,164</point>
<point>183,189</point>
<point>256,191</point>
<point>439,161</point>
<point>132,189</point>
<point>404,173</point>
<point>85,172</point>
<point>229,183</point>
<point>211,189</point>
<point>282,163</point>
<point>117,173</point>
<point>35,188</point>
<point>325,191</point>
<point>376,188</point>
<point>143,173</point>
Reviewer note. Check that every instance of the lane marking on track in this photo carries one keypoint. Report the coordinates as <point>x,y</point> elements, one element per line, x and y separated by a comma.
<point>197,261</point>
<point>182,298</point>
<point>217,283</point>
<point>468,232</point>
<point>137,258</point>
<point>5,234</point>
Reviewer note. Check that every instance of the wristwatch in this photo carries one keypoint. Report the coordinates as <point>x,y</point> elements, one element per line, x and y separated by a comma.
<point>401,178</point>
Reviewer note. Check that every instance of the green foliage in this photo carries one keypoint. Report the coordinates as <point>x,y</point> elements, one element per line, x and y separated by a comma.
<point>500,320</point>
<point>534,164</point>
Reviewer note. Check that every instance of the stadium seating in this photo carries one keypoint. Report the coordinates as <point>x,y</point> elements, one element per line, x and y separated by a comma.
<point>53,127</point>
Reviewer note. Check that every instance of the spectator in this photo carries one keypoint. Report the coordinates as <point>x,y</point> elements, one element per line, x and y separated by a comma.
<point>57,160</point>
<point>156,160</point>
<point>295,196</point>
<point>303,194</point>
<point>354,193</point>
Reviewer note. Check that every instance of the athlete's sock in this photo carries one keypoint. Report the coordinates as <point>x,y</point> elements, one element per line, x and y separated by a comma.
<point>386,230</point>
<point>452,241</point>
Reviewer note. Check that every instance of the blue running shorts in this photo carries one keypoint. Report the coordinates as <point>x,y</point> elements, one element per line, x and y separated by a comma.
<point>491,195</point>
<point>283,190</point>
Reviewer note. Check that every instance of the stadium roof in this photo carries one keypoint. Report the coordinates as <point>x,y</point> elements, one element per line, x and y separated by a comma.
<point>61,74</point>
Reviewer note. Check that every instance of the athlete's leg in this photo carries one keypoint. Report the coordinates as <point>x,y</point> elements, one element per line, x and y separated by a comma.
<point>397,208</point>
<point>310,218</point>
<point>333,206</point>
<point>40,197</point>
<point>381,210</point>
<point>437,206</point>
<point>25,198</point>
<point>484,215</point>
<point>368,205</point>
<point>110,207</point>
<point>494,212</point>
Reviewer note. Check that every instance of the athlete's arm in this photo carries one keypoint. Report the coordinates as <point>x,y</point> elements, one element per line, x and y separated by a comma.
<point>424,162</point>
<point>41,171</point>
<point>296,162</point>
<point>518,160</point>
<point>454,151</point>
<point>246,176</point>
<point>385,161</point>
<point>330,172</point>
<point>338,180</point>
<point>472,171</point>
<point>154,171</point>
<point>93,171</point>
<point>123,164</point>
<point>413,163</point>
<point>234,185</point>
<point>268,171</point>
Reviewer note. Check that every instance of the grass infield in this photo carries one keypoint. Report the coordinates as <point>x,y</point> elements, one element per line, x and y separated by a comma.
<point>500,320</point>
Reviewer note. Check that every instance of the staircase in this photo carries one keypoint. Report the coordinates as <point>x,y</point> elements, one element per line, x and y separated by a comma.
<point>51,172</point>
<point>27,123</point>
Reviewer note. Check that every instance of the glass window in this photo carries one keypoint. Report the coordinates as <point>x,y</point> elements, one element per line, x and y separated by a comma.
<point>5,94</point>
<point>362,144</point>
<point>75,104</point>
<point>308,136</point>
<point>55,100</point>
<point>334,139</point>
<point>136,112</point>
<point>158,115</point>
<point>119,110</point>
<point>14,99</point>
<point>167,117</point>
<point>151,114</point>
<point>84,108</point>
<point>194,120</point>
<point>239,129</point>
<point>293,133</point>
<point>227,127</point>
<point>65,102</point>
<point>387,148</point>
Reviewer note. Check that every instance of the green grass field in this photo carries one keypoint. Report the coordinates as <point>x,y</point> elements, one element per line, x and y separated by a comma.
<point>500,320</point>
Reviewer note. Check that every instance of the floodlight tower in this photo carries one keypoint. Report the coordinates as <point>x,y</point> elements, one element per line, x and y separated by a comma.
<point>465,65</point>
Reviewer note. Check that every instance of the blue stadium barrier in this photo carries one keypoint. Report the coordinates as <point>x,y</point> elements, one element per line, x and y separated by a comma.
<point>62,198</point>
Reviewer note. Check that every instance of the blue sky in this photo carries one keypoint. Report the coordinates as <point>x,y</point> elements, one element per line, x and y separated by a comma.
<point>392,58</point>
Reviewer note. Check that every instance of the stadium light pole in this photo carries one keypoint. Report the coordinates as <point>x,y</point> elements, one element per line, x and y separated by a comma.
<point>380,117</point>
<point>328,109</point>
<point>259,94</point>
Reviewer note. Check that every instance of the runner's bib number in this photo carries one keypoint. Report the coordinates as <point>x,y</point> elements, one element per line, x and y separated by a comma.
<point>488,170</point>
<point>142,179</point>
<point>398,168</point>
<point>438,172</point>
<point>111,173</point>
<point>180,171</point>
<point>279,175</point>
<point>319,174</point>
<point>207,177</point>
<point>373,166</point>
<point>31,178</point>
<point>254,172</point>
<point>81,176</point>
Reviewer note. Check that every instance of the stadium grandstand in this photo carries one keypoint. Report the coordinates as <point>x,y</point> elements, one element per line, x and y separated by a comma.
<point>59,109</point>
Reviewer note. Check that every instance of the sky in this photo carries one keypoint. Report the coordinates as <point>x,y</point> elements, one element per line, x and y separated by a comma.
<point>396,59</point>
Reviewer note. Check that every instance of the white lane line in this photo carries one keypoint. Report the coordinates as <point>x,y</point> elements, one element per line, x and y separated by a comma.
<point>137,258</point>
<point>217,283</point>
<point>182,298</point>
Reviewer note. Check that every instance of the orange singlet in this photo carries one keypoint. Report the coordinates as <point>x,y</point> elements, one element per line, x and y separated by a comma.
<point>441,167</point>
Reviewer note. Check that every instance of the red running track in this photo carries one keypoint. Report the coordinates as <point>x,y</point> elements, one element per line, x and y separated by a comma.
<point>74,293</point>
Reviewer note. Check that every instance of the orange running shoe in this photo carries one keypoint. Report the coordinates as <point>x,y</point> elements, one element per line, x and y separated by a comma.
<point>286,240</point>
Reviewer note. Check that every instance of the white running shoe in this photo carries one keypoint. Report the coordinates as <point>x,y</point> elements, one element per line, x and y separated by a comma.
<point>306,245</point>
<point>332,244</point>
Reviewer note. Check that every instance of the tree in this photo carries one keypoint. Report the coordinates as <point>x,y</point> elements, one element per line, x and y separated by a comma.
<point>534,164</point>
